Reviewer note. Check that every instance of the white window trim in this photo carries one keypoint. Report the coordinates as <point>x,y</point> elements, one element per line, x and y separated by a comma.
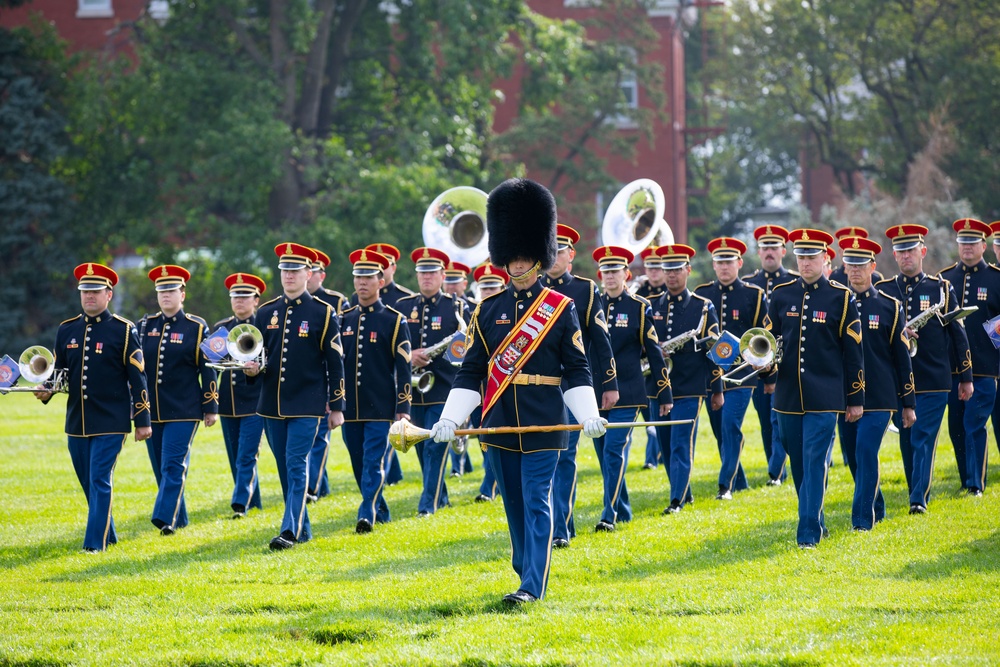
<point>103,10</point>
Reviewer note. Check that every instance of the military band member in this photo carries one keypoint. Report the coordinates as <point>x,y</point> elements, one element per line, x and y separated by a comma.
<point>840,273</point>
<point>630,324</point>
<point>889,380</point>
<point>995,417</point>
<point>456,282</point>
<point>771,250</point>
<point>740,306</point>
<point>302,382</point>
<point>677,311</point>
<point>182,391</point>
<point>242,427</point>
<point>597,344</point>
<point>977,284</point>
<point>103,361</point>
<point>932,367</point>
<point>524,341</point>
<point>390,293</point>
<point>821,373</point>
<point>490,280</point>
<point>378,390</point>
<point>650,290</point>
<point>319,483</point>
<point>432,317</point>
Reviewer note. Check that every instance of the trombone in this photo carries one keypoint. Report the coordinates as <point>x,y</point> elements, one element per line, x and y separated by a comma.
<point>759,349</point>
<point>37,365</point>
<point>244,344</point>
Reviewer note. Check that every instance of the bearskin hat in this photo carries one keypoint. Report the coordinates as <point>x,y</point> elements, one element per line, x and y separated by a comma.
<point>521,222</point>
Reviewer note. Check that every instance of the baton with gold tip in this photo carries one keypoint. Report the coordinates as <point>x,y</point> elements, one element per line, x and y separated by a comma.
<point>403,435</point>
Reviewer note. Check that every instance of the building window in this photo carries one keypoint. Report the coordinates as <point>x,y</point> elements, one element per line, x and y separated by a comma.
<point>94,9</point>
<point>628,88</point>
<point>159,10</point>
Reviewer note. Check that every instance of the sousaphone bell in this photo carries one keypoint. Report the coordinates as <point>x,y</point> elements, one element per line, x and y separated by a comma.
<point>635,217</point>
<point>455,222</point>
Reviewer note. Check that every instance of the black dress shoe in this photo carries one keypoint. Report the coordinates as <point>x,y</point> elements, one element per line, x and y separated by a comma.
<point>239,515</point>
<point>311,498</point>
<point>673,508</point>
<point>648,466</point>
<point>917,508</point>
<point>975,493</point>
<point>774,481</point>
<point>807,545</point>
<point>91,550</point>
<point>167,530</point>
<point>284,541</point>
<point>483,498</point>
<point>724,494</point>
<point>423,514</point>
<point>861,529</point>
<point>520,597</point>
<point>826,532</point>
<point>604,527</point>
<point>363,526</point>
<point>559,543</point>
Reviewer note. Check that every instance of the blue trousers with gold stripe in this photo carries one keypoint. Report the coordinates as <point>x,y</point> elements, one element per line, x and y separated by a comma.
<point>967,427</point>
<point>319,483</point>
<point>368,446</point>
<point>731,475</point>
<point>861,442</point>
<point>525,481</point>
<point>435,460</point>
<point>94,462</point>
<point>292,440</point>
<point>807,439</point>
<point>677,443</point>
<point>564,485</point>
<point>170,453</point>
<point>918,443</point>
<point>242,437</point>
<point>612,453</point>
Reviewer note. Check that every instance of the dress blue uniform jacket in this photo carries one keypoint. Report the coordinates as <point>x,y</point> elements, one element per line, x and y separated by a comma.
<point>105,378</point>
<point>650,292</point>
<point>590,311</point>
<point>888,372</point>
<point>767,281</point>
<point>237,397</point>
<point>978,285</point>
<point>932,367</point>
<point>431,321</point>
<point>740,306</point>
<point>630,321</point>
<point>332,297</point>
<point>822,367</point>
<point>376,362</point>
<point>181,385</point>
<point>304,367</point>
<point>561,353</point>
<point>693,373</point>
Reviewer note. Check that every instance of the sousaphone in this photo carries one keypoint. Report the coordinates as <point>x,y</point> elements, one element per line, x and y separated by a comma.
<point>635,217</point>
<point>455,222</point>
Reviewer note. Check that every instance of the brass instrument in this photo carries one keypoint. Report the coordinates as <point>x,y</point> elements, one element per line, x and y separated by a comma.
<point>455,222</point>
<point>244,344</point>
<point>920,320</point>
<point>423,379</point>
<point>37,366</point>
<point>671,345</point>
<point>759,349</point>
<point>635,217</point>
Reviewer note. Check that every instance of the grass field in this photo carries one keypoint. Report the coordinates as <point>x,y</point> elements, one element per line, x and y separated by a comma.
<point>718,584</point>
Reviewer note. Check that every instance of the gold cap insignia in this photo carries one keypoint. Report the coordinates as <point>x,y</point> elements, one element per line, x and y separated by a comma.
<point>723,244</point>
<point>607,251</point>
<point>163,271</point>
<point>239,278</point>
<point>426,254</point>
<point>364,255</point>
<point>90,269</point>
<point>805,235</point>
<point>856,244</point>
<point>288,248</point>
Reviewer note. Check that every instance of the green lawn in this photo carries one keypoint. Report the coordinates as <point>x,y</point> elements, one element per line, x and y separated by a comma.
<point>719,584</point>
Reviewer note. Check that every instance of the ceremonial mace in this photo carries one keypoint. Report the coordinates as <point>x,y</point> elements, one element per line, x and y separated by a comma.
<point>403,435</point>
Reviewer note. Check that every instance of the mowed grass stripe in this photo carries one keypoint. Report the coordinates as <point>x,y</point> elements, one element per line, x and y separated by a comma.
<point>721,583</point>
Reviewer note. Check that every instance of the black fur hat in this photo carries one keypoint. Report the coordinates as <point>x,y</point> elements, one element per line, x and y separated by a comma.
<point>521,222</point>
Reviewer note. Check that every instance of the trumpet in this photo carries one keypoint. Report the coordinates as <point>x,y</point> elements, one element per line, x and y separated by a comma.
<point>759,349</point>
<point>37,365</point>
<point>920,320</point>
<point>244,344</point>
<point>423,379</point>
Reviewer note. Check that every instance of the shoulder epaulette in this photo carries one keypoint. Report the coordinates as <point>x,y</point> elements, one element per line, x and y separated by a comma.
<point>948,268</point>
<point>752,275</point>
<point>790,282</point>
<point>839,285</point>
<point>223,322</point>
<point>408,296</point>
<point>407,290</point>
<point>793,272</point>
<point>584,279</point>
<point>890,297</point>
<point>752,286</point>
<point>355,307</point>
<point>885,280</point>
<point>698,296</point>
<point>72,319</point>
<point>641,299</point>
<point>993,267</point>
<point>197,319</point>
<point>268,303</point>
<point>705,285</point>
<point>118,317</point>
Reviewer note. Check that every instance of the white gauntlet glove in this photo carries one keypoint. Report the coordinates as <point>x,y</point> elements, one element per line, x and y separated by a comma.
<point>583,404</point>
<point>443,431</point>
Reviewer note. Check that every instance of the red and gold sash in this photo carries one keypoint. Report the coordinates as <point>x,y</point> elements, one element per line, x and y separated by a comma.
<point>521,343</point>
